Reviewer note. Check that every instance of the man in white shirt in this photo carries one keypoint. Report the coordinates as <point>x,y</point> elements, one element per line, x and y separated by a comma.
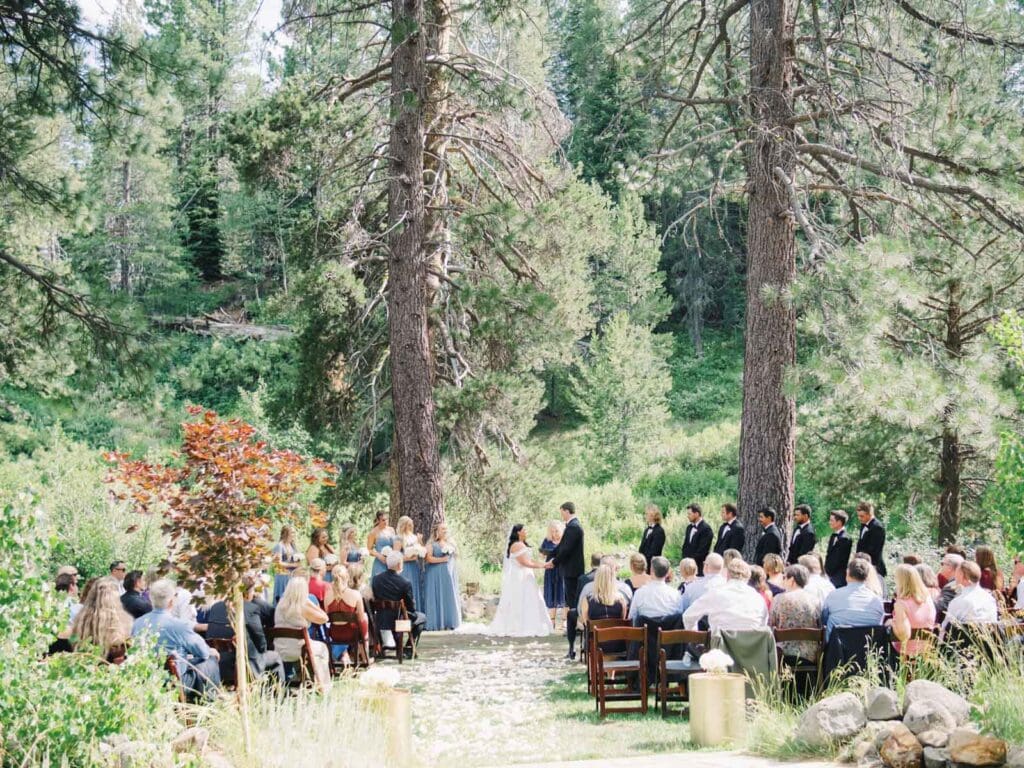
<point>732,606</point>
<point>973,605</point>
<point>817,584</point>
<point>713,579</point>
<point>657,598</point>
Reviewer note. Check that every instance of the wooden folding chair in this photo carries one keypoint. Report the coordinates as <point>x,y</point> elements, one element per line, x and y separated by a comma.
<point>392,611</point>
<point>588,647</point>
<point>224,645</point>
<point>680,668</point>
<point>633,670</point>
<point>171,665</point>
<point>307,674</point>
<point>810,669</point>
<point>344,629</point>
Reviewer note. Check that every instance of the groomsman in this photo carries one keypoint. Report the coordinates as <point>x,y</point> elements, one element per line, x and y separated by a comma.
<point>731,534</point>
<point>839,545</point>
<point>653,541</point>
<point>872,536</point>
<point>770,542</point>
<point>803,540</point>
<point>697,541</point>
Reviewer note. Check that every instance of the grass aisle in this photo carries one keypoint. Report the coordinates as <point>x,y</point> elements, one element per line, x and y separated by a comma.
<point>479,701</point>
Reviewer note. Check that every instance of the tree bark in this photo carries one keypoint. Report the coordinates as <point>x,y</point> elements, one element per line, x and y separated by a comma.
<point>123,231</point>
<point>768,426</point>
<point>951,455</point>
<point>416,444</point>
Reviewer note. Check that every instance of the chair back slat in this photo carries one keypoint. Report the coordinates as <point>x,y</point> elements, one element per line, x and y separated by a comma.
<point>799,634</point>
<point>682,637</point>
<point>612,634</point>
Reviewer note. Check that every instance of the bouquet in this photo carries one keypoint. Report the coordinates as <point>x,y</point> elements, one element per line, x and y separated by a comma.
<point>364,553</point>
<point>416,550</point>
<point>448,549</point>
<point>715,662</point>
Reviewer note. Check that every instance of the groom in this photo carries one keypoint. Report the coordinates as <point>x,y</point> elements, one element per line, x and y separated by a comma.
<point>568,556</point>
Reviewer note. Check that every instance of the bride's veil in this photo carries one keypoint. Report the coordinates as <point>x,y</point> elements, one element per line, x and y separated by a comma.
<point>506,568</point>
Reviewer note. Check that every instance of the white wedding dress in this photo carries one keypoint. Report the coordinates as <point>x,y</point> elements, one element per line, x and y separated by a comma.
<point>521,610</point>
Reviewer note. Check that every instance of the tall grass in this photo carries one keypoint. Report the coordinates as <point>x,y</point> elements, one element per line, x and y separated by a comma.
<point>336,730</point>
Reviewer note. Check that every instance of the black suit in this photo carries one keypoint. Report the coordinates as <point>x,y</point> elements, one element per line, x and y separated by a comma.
<point>653,543</point>
<point>731,536</point>
<point>260,660</point>
<point>136,604</point>
<point>872,541</point>
<point>802,543</point>
<point>568,558</point>
<point>697,543</point>
<point>770,543</point>
<point>838,557</point>
<point>392,586</point>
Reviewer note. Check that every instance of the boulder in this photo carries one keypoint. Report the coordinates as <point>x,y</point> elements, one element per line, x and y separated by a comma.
<point>927,715</point>
<point>192,741</point>
<point>831,720</point>
<point>934,738</point>
<point>902,749</point>
<point>132,754</point>
<point>926,690</point>
<point>1015,758</point>
<point>934,757</point>
<point>968,747</point>
<point>864,749</point>
<point>882,704</point>
<point>883,730</point>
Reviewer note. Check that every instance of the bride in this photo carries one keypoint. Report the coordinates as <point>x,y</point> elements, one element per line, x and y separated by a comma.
<point>521,611</point>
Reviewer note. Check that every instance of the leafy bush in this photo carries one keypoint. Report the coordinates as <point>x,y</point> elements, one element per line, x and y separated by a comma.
<point>57,708</point>
<point>709,387</point>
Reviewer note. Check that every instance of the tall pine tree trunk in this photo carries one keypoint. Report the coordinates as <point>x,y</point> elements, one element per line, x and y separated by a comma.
<point>124,233</point>
<point>768,427</point>
<point>951,456</point>
<point>416,445</point>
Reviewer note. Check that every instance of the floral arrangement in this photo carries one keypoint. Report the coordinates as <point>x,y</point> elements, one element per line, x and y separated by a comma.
<point>415,549</point>
<point>448,549</point>
<point>330,560</point>
<point>715,662</point>
<point>364,552</point>
<point>379,677</point>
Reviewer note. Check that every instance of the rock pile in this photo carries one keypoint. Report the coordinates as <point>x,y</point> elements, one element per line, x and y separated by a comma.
<point>929,730</point>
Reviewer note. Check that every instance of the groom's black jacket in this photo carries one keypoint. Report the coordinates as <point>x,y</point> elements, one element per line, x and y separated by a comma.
<point>568,555</point>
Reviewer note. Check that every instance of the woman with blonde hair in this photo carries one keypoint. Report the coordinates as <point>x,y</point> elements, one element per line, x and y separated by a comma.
<point>440,583</point>
<point>102,622</point>
<point>912,609</point>
<point>606,602</point>
<point>554,586</point>
<point>348,546</point>
<point>342,598</point>
<point>638,575</point>
<point>413,552</point>
<point>774,570</point>
<point>297,610</point>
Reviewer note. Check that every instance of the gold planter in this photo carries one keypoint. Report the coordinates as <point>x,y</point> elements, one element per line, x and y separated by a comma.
<point>717,709</point>
<point>393,707</point>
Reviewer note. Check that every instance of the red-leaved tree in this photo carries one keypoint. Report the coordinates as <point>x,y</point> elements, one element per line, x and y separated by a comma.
<point>219,502</point>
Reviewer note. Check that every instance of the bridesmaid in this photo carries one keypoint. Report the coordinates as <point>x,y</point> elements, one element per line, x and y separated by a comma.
<point>382,537</point>
<point>554,588</point>
<point>286,560</point>
<point>348,549</point>
<point>320,547</point>
<point>412,548</point>
<point>440,595</point>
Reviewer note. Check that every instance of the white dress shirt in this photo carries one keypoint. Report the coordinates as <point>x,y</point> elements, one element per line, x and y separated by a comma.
<point>654,600</point>
<point>736,605</point>
<point>973,605</point>
<point>820,587</point>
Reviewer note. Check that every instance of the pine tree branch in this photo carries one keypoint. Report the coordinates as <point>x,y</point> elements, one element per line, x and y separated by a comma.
<point>960,31</point>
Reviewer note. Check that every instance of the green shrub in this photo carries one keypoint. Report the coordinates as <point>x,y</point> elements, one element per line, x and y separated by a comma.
<point>57,708</point>
<point>707,388</point>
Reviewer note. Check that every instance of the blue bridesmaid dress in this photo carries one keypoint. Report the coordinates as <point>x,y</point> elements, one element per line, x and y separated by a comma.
<point>440,601</point>
<point>379,545</point>
<point>412,571</point>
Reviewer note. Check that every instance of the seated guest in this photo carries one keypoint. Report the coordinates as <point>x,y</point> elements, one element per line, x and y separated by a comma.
<point>572,612</point>
<point>102,623</point>
<point>854,605</point>
<point>391,585</point>
<point>317,584</point>
<point>183,607</point>
<point>912,609</point>
<point>974,604</point>
<point>912,559</point>
<point>606,601</point>
<point>873,580</point>
<point>342,598</point>
<point>688,573</point>
<point>638,575</point>
<point>796,608</point>
<point>817,584</point>
<point>947,577</point>
<point>588,589</point>
<point>713,579</point>
<point>656,599</point>
<point>991,576</point>
<point>944,577</point>
<point>357,580</point>
<point>728,556</point>
<point>774,567</point>
<point>759,583</point>
<point>220,624</point>
<point>1017,581</point>
<point>67,585</point>
<point>296,610</point>
<point>198,664</point>
<point>928,578</point>
<point>132,598</point>
<point>734,605</point>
